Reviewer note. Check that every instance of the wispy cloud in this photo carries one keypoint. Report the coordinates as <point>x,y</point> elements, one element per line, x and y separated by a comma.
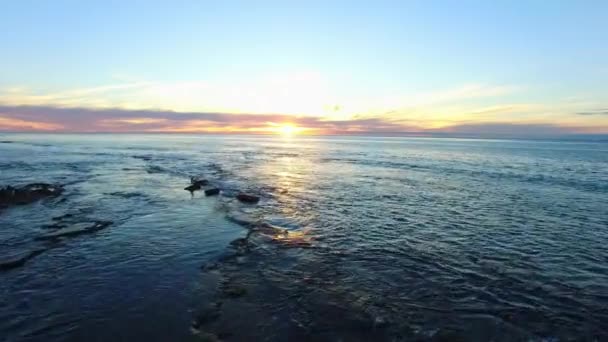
<point>511,129</point>
<point>304,99</point>
<point>121,120</point>
<point>49,118</point>
<point>594,112</point>
<point>296,93</point>
<point>12,124</point>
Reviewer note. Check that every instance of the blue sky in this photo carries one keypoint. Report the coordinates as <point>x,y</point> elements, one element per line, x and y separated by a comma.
<point>425,65</point>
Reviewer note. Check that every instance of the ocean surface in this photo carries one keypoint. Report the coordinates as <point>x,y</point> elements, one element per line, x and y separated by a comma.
<point>354,239</point>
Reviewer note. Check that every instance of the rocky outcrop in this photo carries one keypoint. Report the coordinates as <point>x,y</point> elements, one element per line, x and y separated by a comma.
<point>212,192</point>
<point>76,229</point>
<point>198,181</point>
<point>247,198</point>
<point>196,184</point>
<point>27,194</point>
<point>18,259</point>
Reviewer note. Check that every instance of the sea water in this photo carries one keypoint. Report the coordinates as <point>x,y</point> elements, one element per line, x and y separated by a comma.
<point>372,239</point>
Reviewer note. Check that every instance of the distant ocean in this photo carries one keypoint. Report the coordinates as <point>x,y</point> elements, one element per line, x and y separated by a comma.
<point>353,239</point>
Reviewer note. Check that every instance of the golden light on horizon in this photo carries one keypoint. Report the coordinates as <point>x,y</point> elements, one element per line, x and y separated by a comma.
<point>287,129</point>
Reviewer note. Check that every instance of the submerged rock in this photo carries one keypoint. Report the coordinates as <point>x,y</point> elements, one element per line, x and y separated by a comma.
<point>241,246</point>
<point>62,217</point>
<point>19,259</point>
<point>76,229</point>
<point>54,225</point>
<point>154,169</point>
<point>196,184</point>
<point>28,194</point>
<point>246,198</point>
<point>212,192</point>
<point>242,219</point>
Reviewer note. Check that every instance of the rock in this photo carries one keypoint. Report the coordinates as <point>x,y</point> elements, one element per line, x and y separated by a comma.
<point>198,181</point>
<point>241,245</point>
<point>192,188</point>
<point>196,184</point>
<point>19,259</point>
<point>27,194</point>
<point>246,198</point>
<point>212,192</point>
<point>239,242</point>
<point>76,229</point>
<point>6,142</point>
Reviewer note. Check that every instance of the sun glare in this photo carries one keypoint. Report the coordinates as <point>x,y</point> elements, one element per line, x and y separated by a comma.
<point>287,129</point>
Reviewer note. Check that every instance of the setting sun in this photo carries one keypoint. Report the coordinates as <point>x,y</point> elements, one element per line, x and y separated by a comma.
<point>287,129</point>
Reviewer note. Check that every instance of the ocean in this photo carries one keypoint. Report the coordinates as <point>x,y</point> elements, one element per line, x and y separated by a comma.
<point>353,239</point>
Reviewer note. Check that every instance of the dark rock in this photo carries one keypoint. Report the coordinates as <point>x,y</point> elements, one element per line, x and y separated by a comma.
<point>239,242</point>
<point>28,194</point>
<point>192,188</point>
<point>196,184</point>
<point>6,142</point>
<point>18,260</point>
<point>212,192</point>
<point>246,198</point>
<point>198,181</point>
<point>241,245</point>
<point>76,229</point>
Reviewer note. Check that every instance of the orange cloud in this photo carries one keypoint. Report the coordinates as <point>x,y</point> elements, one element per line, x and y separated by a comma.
<point>7,124</point>
<point>46,118</point>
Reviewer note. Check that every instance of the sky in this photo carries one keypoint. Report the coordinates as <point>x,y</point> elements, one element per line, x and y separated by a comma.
<point>319,67</point>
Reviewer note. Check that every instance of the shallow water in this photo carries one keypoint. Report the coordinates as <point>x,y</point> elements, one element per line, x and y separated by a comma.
<point>387,239</point>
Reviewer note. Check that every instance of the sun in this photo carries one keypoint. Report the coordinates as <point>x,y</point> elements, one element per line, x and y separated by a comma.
<point>287,129</point>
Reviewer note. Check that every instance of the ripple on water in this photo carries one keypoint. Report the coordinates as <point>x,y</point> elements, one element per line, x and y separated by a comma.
<point>353,240</point>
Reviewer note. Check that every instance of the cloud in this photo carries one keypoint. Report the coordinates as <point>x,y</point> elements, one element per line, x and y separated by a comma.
<point>49,118</point>
<point>594,112</point>
<point>511,129</point>
<point>121,120</point>
<point>294,93</point>
<point>12,124</point>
